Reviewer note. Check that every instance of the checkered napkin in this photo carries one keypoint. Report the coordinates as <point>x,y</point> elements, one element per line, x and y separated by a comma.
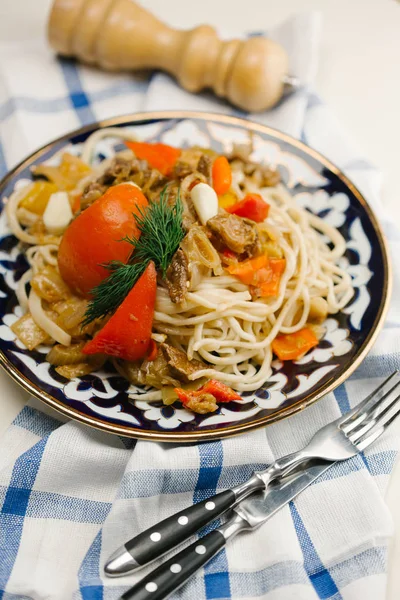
<point>70,495</point>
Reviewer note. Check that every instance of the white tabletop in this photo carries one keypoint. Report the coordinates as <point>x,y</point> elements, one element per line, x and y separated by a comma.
<point>359,76</point>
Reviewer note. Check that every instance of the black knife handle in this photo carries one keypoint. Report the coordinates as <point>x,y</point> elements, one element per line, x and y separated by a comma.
<point>167,578</point>
<point>165,535</point>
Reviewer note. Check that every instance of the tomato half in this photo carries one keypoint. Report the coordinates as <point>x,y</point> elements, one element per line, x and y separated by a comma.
<point>94,238</point>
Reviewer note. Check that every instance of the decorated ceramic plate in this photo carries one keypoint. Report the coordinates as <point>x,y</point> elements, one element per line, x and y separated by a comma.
<point>270,387</point>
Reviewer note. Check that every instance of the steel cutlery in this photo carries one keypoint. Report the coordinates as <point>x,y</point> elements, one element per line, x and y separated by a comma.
<point>249,514</point>
<point>339,440</point>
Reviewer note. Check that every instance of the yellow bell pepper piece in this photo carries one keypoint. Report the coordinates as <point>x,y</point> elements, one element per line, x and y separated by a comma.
<point>37,196</point>
<point>228,199</point>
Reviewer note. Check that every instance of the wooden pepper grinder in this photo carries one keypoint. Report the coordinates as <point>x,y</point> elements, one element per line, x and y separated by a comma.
<point>121,35</point>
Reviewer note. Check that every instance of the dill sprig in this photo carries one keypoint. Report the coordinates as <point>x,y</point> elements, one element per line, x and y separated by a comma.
<point>161,231</point>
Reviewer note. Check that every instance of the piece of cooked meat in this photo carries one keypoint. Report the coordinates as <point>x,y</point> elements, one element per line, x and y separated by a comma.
<point>239,235</point>
<point>171,367</point>
<point>121,170</point>
<point>153,183</point>
<point>261,175</point>
<point>177,276</point>
<point>187,162</point>
<point>92,191</point>
<point>205,166</point>
<point>202,403</point>
<point>117,172</point>
<point>182,169</point>
<point>180,366</point>
<point>251,251</point>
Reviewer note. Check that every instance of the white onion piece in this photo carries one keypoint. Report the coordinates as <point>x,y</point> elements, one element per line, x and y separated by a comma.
<point>41,319</point>
<point>205,201</point>
<point>58,214</point>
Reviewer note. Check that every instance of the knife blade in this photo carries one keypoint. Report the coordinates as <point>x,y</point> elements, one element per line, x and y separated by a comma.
<point>249,514</point>
<point>261,506</point>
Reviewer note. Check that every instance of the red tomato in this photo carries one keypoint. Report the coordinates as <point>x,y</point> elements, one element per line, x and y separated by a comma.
<point>94,237</point>
<point>127,334</point>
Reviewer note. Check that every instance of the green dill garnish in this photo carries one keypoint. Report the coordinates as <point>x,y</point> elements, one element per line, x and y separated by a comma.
<point>161,231</point>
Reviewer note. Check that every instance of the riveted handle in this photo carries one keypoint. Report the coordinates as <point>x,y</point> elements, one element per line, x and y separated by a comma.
<point>167,534</point>
<point>172,574</point>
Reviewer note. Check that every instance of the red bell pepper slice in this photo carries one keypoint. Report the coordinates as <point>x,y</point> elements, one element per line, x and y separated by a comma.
<point>270,287</point>
<point>220,391</point>
<point>127,333</point>
<point>253,207</point>
<point>159,156</point>
<point>251,271</point>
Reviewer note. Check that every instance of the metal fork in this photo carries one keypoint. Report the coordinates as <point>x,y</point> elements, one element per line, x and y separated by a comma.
<point>343,438</point>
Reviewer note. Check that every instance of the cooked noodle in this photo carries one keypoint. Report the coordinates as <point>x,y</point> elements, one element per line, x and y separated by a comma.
<point>44,322</point>
<point>21,294</point>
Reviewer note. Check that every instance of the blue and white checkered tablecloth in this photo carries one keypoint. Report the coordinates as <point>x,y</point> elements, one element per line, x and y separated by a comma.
<point>69,495</point>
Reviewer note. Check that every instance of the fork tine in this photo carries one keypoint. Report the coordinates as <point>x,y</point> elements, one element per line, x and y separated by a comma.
<point>372,418</point>
<point>359,413</point>
<point>370,439</point>
<point>384,423</point>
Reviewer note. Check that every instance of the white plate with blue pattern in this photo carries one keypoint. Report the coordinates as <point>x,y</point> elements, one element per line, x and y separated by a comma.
<point>102,399</point>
